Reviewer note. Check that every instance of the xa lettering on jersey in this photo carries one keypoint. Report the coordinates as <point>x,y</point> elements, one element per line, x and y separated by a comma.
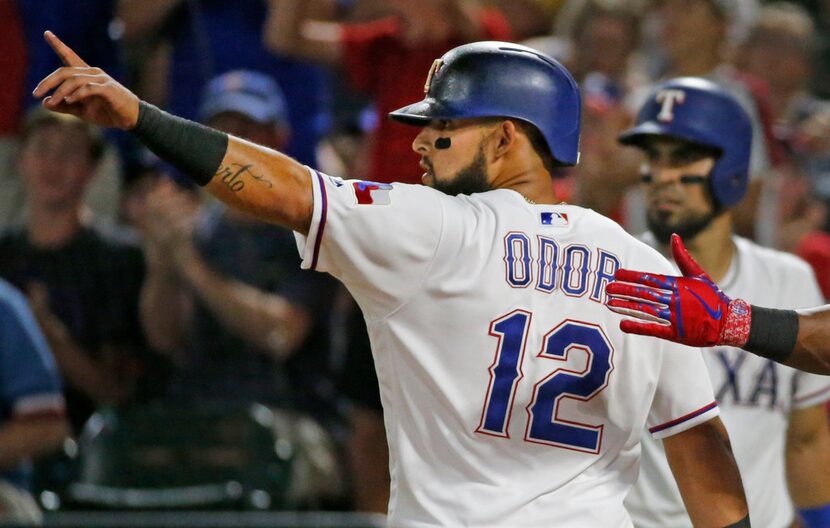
<point>371,193</point>
<point>747,383</point>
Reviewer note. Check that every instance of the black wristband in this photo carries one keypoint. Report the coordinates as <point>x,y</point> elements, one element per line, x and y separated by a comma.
<point>772,333</point>
<point>743,523</point>
<point>194,149</point>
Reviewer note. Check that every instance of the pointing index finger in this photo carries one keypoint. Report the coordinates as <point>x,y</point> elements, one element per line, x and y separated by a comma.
<point>69,57</point>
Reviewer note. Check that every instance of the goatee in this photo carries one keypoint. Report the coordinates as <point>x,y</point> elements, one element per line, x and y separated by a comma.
<point>687,229</point>
<point>469,180</point>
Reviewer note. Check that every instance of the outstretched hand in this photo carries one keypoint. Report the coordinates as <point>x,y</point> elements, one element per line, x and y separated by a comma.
<point>86,92</point>
<point>690,309</point>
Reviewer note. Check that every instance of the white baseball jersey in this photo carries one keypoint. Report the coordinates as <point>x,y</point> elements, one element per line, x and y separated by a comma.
<point>511,397</point>
<point>756,396</point>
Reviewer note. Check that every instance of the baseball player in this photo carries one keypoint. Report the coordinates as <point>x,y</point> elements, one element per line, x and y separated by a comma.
<point>697,139</point>
<point>511,397</point>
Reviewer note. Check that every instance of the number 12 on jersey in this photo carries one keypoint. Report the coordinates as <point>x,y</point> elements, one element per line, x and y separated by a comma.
<point>544,424</point>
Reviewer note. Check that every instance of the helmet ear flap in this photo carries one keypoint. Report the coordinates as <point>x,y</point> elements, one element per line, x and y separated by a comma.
<point>729,188</point>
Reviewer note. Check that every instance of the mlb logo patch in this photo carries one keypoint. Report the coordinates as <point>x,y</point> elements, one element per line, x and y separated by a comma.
<point>372,193</point>
<point>554,219</point>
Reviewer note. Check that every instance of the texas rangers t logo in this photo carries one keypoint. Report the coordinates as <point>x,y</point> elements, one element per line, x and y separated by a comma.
<point>371,193</point>
<point>669,98</point>
<point>436,65</point>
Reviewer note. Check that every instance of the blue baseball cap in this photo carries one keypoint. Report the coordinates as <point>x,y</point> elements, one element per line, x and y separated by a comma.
<point>247,92</point>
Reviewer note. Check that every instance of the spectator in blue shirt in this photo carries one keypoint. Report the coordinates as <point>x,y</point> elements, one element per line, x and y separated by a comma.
<point>32,420</point>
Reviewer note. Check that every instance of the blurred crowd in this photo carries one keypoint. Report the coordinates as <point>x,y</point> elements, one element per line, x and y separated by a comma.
<point>131,303</point>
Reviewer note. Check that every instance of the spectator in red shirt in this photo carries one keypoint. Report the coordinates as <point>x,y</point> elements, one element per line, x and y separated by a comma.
<point>385,58</point>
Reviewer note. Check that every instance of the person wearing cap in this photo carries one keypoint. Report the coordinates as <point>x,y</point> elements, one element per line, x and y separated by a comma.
<point>224,295</point>
<point>249,103</point>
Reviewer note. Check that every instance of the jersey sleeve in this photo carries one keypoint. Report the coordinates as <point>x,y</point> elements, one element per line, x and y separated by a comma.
<point>684,397</point>
<point>29,381</point>
<point>379,239</point>
<point>810,390</point>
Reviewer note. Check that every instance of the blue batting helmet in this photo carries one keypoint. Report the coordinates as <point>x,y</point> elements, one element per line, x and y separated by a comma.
<point>701,112</point>
<point>500,79</point>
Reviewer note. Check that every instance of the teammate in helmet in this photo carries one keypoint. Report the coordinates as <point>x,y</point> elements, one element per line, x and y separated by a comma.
<point>688,120</point>
<point>697,140</point>
<point>456,287</point>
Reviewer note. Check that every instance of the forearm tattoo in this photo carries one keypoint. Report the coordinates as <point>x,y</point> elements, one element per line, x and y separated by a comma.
<point>234,176</point>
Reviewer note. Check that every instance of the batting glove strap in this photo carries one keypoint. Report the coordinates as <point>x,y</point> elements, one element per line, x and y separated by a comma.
<point>743,523</point>
<point>736,324</point>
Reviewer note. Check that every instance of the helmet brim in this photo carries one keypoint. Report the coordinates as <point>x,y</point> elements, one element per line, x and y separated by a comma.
<point>420,113</point>
<point>637,135</point>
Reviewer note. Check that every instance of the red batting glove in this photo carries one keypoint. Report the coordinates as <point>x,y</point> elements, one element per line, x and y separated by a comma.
<point>690,309</point>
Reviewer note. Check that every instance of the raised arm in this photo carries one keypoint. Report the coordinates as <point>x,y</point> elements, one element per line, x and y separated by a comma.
<point>692,310</point>
<point>707,476</point>
<point>265,183</point>
<point>249,177</point>
<point>144,17</point>
<point>300,29</point>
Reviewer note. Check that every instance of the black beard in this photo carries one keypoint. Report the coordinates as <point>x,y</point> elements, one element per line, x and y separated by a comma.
<point>687,229</point>
<point>469,180</point>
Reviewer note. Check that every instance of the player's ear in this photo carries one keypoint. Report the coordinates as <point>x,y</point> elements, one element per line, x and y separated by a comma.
<point>504,137</point>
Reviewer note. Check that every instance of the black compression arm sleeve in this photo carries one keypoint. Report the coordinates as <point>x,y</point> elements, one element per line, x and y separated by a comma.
<point>192,148</point>
<point>743,523</point>
<point>772,333</point>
